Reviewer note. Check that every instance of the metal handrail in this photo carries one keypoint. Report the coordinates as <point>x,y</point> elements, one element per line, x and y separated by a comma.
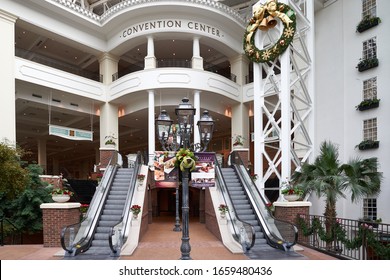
<point>77,237</point>
<point>120,229</point>
<point>243,231</point>
<point>279,234</point>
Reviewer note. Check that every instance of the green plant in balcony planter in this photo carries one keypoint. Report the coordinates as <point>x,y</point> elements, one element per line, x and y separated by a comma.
<point>367,22</point>
<point>368,104</point>
<point>368,63</point>
<point>110,140</point>
<point>368,144</point>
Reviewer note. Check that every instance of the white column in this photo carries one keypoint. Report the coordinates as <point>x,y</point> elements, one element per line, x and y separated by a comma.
<point>285,97</point>
<point>7,74</point>
<point>258,104</point>
<point>151,127</point>
<point>285,131</point>
<point>150,59</point>
<point>239,66</point>
<point>311,75</point>
<point>197,115</point>
<point>42,158</point>
<point>108,112</point>
<point>197,60</point>
<point>108,65</point>
<point>109,123</point>
<point>240,123</point>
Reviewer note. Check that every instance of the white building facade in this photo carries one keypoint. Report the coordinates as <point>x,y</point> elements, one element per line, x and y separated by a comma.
<point>110,67</point>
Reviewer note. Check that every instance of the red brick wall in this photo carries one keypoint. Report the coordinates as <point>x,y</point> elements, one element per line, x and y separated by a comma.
<point>54,219</point>
<point>105,156</point>
<point>290,214</point>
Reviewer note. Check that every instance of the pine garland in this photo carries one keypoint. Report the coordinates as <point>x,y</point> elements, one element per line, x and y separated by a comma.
<point>365,235</point>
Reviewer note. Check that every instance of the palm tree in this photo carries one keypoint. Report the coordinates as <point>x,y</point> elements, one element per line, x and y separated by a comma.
<point>329,178</point>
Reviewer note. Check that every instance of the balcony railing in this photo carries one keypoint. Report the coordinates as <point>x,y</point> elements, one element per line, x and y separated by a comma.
<point>39,58</point>
<point>345,238</point>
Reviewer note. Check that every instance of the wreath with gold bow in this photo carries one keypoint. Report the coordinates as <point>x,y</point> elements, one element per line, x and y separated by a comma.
<point>185,159</point>
<point>264,18</point>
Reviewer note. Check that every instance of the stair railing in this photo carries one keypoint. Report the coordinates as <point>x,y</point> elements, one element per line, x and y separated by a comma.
<point>77,238</point>
<point>279,234</point>
<point>119,232</point>
<point>243,232</point>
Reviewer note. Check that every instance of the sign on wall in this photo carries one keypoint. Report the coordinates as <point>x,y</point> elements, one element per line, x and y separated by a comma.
<point>70,133</point>
<point>204,174</point>
<point>166,175</point>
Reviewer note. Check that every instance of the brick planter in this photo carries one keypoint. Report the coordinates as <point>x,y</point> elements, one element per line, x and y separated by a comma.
<point>289,211</point>
<point>55,217</point>
<point>105,156</point>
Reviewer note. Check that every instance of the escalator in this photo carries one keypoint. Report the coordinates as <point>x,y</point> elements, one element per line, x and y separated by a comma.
<point>252,224</point>
<point>103,231</point>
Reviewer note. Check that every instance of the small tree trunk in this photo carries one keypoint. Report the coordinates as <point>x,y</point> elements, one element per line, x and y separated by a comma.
<point>330,218</point>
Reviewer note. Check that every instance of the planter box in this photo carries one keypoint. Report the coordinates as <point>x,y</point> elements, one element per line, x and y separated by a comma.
<point>366,146</point>
<point>368,106</point>
<point>365,64</point>
<point>367,24</point>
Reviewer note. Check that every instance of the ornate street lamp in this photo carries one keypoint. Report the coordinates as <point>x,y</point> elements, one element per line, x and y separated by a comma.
<point>206,129</point>
<point>185,116</point>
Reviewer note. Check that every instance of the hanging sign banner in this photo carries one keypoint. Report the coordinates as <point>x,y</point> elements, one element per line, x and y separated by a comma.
<point>70,133</point>
<point>204,174</point>
<point>166,175</point>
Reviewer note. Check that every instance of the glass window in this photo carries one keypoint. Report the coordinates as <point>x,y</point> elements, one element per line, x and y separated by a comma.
<point>369,89</point>
<point>370,208</point>
<point>369,8</point>
<point>370,129</point>
<point>369,48</point>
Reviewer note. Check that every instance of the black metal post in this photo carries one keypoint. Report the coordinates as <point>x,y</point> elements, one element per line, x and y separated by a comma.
<point>177,224</point>
<point>185,239</point>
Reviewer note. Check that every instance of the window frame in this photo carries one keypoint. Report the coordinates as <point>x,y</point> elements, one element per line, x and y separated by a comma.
<point>370,208</point>
<point>370,129</point>
<point>370,89</point>
<point>368,8</point>
<point>369,48</point>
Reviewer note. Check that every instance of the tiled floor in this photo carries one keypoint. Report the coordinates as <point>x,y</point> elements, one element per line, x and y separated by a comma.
<point>159,243</point>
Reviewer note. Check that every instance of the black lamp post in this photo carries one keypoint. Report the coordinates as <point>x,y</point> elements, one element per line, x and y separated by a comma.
<point>185,116</point>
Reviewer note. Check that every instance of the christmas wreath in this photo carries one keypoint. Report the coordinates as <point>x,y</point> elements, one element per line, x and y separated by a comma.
<point>264,18</point>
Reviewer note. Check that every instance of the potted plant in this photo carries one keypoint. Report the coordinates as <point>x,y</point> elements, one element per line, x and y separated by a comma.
<point>141,177</point>
<point>61,194</point>
<point>99,177</point>
<point>238,141</point>
<point>270,206</point>
<point>367,63</point>
<point>253,176</point>
<point>367,22</point>
<point>290,192</point>
<point>135,209</point>
<point>222,210</point>
<point>368,104</point>
<point>368,144</point>
<point>110,140</point>
<point>84,209</point>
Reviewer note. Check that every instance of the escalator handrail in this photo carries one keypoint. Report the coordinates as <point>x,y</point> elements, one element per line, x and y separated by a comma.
<point>236,161</point>
<point>126,209</point>
<point>224,191</point>
<point>102,190</point>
